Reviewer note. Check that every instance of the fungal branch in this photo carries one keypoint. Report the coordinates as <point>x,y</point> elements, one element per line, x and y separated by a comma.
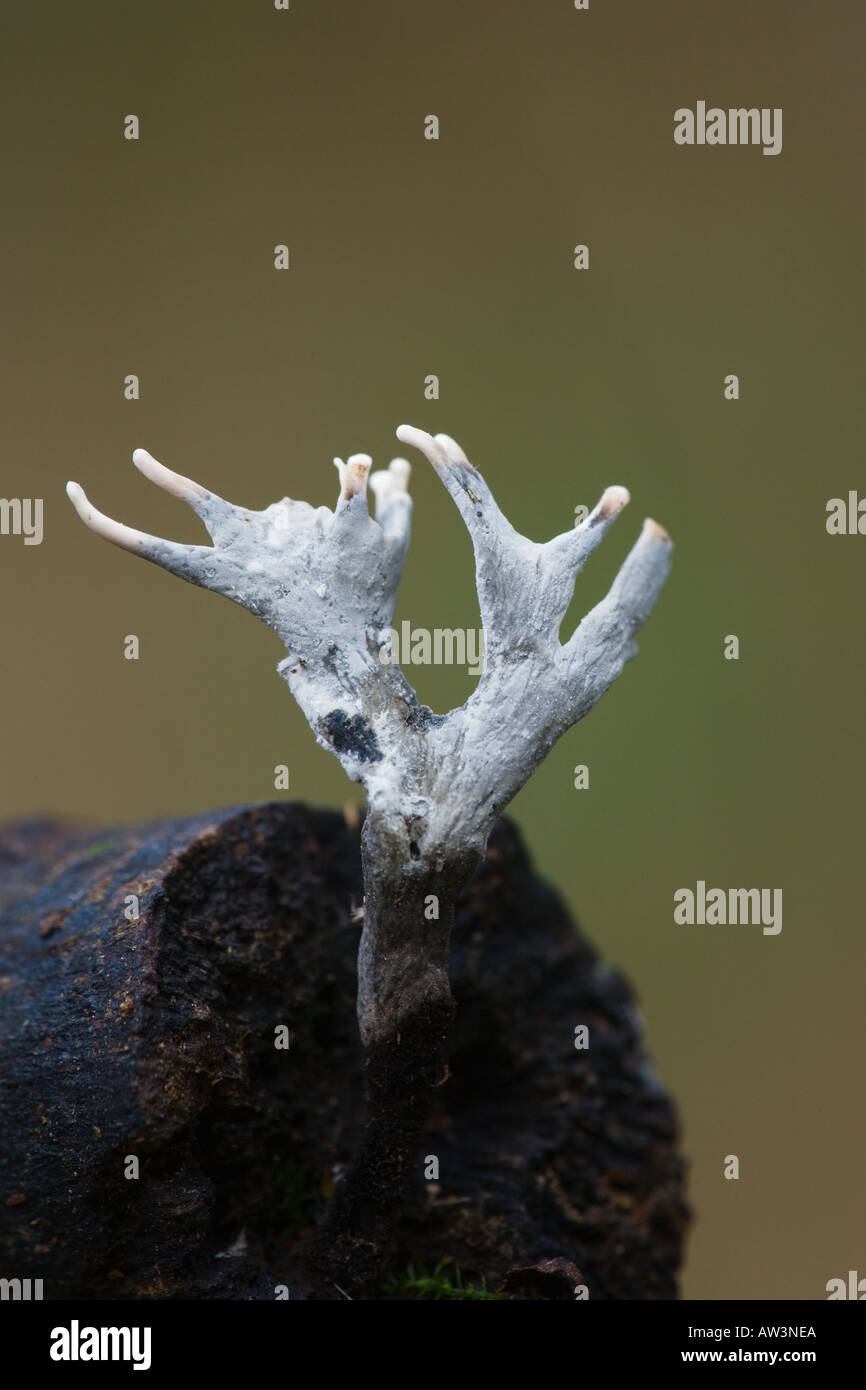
<point>326,582</point>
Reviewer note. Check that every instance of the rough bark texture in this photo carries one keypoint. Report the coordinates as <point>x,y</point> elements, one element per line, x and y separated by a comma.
<point>155,1038</point>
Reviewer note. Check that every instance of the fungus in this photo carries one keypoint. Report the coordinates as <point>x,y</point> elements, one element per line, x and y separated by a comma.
<point>326,583</point>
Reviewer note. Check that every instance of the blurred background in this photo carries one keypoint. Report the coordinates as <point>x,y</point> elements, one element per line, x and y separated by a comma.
<point>412,257</point>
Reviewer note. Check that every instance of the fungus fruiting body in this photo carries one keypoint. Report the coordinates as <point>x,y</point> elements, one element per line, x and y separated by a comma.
<point>326,582</point>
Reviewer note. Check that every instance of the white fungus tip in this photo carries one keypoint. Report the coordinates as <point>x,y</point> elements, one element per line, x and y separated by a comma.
<point>613,499</point>
<point>392,481</point>
<point>451,447</point>
<point>103,525</point>
<point>408,434</point>
<point>173,483</point>
<point>353,475</point>
<point>78,497</point>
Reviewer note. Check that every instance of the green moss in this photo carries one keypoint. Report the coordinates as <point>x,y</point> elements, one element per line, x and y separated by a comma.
<point>417,1283</point>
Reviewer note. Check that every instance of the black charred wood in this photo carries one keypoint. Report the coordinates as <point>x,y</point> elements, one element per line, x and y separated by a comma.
<point>153,1039</point>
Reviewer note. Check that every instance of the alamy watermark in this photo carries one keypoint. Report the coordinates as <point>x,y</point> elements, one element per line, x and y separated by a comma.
<point>22,516</point>
<point>717,907</point>
<point>20,1290</point>
<point>846,517</point>
<point>854,1288</point>
<point>444,646</point>
<point>738,125</point>
<point>77,1343</point>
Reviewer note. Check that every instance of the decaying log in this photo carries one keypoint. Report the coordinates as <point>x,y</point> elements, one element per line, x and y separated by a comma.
<point>154,1039</point>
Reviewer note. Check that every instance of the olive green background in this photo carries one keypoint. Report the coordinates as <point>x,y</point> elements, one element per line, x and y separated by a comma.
<point>411,257</point>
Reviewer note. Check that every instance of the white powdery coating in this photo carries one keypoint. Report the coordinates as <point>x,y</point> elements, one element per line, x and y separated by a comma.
<point>326,582</point>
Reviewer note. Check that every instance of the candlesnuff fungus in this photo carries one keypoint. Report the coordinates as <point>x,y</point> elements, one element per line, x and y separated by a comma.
<point>326,582</point>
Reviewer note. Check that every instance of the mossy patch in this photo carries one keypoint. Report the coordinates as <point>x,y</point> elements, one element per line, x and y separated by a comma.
<point>418,1283</point>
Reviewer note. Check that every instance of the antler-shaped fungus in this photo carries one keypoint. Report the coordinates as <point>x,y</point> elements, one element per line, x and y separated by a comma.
<point>326,582</point>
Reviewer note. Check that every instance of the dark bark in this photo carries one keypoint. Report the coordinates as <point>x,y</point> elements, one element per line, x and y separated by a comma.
<point>155,1038</point>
